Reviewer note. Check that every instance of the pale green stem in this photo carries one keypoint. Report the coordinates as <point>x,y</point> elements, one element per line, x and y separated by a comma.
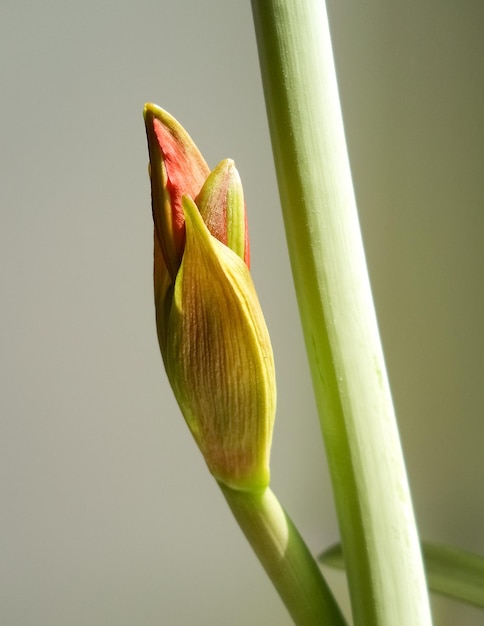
<point>450,571</point>
<point>285,557</point>
<point>379,536</point>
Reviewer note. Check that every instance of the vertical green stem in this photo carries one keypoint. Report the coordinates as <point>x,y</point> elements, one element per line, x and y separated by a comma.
<point>285,557</point>
<point>379,536</point>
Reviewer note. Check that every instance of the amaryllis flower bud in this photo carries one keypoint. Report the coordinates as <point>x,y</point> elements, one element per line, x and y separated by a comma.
<point>211,330</point>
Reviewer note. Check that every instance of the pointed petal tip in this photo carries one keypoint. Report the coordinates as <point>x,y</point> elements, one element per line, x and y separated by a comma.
<point>149,107</point>
<point>153,111</point>
<point>228,163</point>
<point>148,111</point>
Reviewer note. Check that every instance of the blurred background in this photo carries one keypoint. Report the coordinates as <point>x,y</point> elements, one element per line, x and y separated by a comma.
<point>108,514</point>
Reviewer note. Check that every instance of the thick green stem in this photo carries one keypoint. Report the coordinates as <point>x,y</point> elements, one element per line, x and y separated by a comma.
<point>379,536</point>
<point>285,557</point>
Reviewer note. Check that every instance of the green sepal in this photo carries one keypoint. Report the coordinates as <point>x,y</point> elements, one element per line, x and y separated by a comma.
<point>222,207</point>
<point>219,358</point>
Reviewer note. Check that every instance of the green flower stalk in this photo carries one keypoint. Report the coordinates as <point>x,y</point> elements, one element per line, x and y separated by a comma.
<point>212,334</point>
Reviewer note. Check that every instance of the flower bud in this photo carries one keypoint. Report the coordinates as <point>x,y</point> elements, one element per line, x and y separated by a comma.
<point>212,334</point>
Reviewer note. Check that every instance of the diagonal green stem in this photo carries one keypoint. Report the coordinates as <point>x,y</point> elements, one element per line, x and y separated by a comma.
<point>285,557</point>
<point>379,536</point>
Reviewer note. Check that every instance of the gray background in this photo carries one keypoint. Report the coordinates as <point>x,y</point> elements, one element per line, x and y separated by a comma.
<point>108,515</point>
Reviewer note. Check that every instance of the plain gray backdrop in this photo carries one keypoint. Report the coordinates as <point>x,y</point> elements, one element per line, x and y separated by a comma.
<point>108,515</point>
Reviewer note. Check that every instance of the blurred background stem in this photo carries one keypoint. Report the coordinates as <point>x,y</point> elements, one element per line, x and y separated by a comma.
<point>379,535</point>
